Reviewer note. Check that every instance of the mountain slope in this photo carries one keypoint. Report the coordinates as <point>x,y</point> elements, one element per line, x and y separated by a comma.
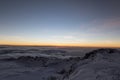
<point>102,64</point>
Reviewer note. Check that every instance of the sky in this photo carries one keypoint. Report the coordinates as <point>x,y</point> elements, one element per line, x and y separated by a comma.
<point>60,22</point>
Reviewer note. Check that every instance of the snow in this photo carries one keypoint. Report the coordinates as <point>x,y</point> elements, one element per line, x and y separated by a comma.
<point>102,66</point>
<point>53,63</point>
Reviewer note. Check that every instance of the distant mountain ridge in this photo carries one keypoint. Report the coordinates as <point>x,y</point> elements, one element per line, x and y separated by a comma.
<point>100,51</point>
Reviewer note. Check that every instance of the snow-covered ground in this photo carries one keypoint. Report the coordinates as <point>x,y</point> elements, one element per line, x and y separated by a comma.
<point>59,63</point>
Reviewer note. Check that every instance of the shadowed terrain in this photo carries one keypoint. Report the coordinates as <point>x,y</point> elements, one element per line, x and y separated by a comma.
<point>55,64</point>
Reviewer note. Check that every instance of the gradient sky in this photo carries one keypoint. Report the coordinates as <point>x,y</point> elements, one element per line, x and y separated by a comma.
<point>60,22</point>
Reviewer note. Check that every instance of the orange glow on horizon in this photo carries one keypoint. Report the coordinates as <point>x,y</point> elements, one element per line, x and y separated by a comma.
<point>59,44</point>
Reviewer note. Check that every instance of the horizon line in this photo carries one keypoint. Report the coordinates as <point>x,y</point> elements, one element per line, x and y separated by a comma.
<point>56,46</point>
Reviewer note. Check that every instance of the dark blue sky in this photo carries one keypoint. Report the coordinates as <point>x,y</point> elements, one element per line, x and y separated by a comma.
<point>58,22</point>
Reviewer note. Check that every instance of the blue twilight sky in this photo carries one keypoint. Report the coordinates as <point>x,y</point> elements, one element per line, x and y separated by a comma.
<point>60,22</point>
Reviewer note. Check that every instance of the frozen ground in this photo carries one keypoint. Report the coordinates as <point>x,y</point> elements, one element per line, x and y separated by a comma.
<point>59,63</point>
